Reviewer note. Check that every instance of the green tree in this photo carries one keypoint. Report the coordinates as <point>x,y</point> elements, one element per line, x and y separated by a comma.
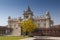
<point>28,25</point>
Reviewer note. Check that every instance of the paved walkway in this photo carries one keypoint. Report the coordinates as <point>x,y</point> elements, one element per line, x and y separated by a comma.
<point>47,37</point>
<point>31,38</point>
<point>42,37</point>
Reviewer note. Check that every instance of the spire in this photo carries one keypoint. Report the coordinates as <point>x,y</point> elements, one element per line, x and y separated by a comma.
<point>28,8</point>
<point>48,14</point>
<point>9,17</point>
<point>28,13</point>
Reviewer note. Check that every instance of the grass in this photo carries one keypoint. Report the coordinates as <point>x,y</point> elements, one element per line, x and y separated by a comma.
<point>12,37</point>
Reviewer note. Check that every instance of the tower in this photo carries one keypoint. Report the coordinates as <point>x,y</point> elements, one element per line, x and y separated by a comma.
<point>48,15</point>
<point>48,19</point>
<point>13,23</point>
<point>9,22</point>
<point>28,13</point>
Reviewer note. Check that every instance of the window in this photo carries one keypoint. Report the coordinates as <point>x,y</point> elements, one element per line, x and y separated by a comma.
<point>16,28</point>
<point>44,24</point>
<point>26,16</point>
<point>14,25</point>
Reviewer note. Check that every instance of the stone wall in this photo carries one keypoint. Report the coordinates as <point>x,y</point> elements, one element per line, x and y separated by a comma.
<point>47,32</point>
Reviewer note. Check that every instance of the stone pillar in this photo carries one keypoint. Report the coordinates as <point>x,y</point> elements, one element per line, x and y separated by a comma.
<point>6,31</point>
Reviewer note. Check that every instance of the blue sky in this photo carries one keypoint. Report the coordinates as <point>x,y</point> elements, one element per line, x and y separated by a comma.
<point>15,8</point>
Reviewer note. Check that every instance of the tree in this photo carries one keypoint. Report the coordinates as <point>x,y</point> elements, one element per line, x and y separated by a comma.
<point>28,25</point>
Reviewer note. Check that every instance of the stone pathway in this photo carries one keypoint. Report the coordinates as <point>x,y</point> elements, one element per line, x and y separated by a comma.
<point>31,38</point>
<point>47,37</point>
<point>42,37</point>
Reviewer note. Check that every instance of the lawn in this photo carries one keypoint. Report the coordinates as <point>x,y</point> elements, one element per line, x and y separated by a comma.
<point>12,37</point>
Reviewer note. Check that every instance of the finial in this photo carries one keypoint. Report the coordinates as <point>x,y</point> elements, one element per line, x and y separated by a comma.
<point>9,17</point>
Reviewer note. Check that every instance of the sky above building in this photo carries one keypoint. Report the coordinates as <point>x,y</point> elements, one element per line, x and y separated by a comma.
<point>15,8</point>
